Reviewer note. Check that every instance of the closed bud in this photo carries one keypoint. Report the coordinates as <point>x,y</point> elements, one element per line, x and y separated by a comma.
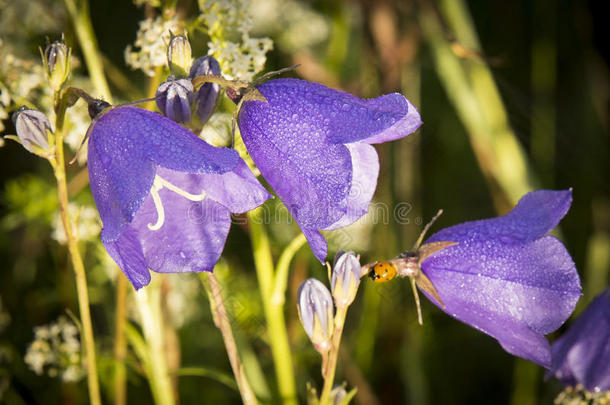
<point>208,93</point>
<point>315,307</point>
<point>174,99</point>
<point>345,278</point>
<point>56,59</point>
<point>338,395</point>
<point>179,55</point>
<point>33,129</point>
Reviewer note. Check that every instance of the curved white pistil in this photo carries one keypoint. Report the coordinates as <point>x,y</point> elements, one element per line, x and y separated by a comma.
<point>158,184</point>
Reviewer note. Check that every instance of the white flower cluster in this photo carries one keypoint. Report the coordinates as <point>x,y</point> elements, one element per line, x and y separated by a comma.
<point>57,350</point>
<point>152,40</point>
<point>87,222</point>
<point>239,59</point>
<point>293,23</point>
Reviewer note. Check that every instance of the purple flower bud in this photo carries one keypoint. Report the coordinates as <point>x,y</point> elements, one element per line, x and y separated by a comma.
<point>208,93</point>
<point>174,99</point>
<point>56,59</point>
<point>179,55</point>
<point>582,354</point>
<point>315,307</point>
<point>32,126</point>
<point>345,278</point>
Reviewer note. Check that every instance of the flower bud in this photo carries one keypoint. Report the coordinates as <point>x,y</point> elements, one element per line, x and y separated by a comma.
<point>179,55</point>
<point>174,99</point>
<point>208,93</point>
<point>338,395</point>
<point>56,59</point>
<point>315,307</point>
<point>345,278</point>
<point>32,126</point>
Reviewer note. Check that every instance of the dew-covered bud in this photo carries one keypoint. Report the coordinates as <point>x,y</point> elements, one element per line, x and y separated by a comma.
<point>315,306</point>
<point>345,278</point>
<point>174,99</point>
<point>56,59</point>
<point>179,55</point>
<point>33,129</point>
<point>208,93</point>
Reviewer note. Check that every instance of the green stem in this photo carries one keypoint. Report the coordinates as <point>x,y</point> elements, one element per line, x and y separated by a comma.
<point>79,13</point>
<point>274,312</point>
<point>221,320</point>
<point>120,342</point>
<point>331,364</point>
<point>149,304</point>
<point>283,268</point>
<point>77,262</point>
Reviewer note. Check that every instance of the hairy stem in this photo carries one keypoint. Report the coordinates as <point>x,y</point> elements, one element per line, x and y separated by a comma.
<point>222,322</point>
<point>59,169</point>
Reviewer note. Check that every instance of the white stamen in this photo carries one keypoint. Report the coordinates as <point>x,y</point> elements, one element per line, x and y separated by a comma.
<point>160,183</point>
<point>179,191</point>
<point>154,192</point>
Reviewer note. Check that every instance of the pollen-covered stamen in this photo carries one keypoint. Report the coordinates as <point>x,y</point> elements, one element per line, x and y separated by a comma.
<point>160,183</point>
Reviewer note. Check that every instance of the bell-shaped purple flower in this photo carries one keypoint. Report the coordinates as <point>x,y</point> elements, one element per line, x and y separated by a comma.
<point>165,196</point>
<point>174,98</point>
<point>582,354</point>
<point>33,128</point>
<point>207,94</point>
<point>313,146</point>
<point>506,277</point>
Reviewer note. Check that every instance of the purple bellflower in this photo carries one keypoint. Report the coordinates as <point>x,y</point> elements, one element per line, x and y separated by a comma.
<point>313,146</point>
<point>506,277</point>
<point>165,196</point>
<point>582,354</point>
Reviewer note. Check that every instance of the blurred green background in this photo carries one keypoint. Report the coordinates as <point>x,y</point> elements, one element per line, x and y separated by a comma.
<point>514,96</point>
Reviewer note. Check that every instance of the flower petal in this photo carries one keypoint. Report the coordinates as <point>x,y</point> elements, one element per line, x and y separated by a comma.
<point>364,181</point>
<point>339,116</point>
<point>128,255</point>
<point>311,176</point>
<point>148,134</point>
<point>191,238</point>
<point>535,215</point>
<point>238,190</point>
<point>120,179</point>
<point>582,354</point>
<point>506,290</point>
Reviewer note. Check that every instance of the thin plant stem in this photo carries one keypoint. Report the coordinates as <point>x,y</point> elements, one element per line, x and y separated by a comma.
<point>274,313</point>
<point>283,266</point>
<point>331,365</point>
<point>221,320</point>
<point>59,168</point>
<point>120,341</point>
<point>149,304</point>
<point>81,18</point>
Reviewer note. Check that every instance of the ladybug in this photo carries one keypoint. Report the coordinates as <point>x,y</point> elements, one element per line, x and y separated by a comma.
<point>382,272</point>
